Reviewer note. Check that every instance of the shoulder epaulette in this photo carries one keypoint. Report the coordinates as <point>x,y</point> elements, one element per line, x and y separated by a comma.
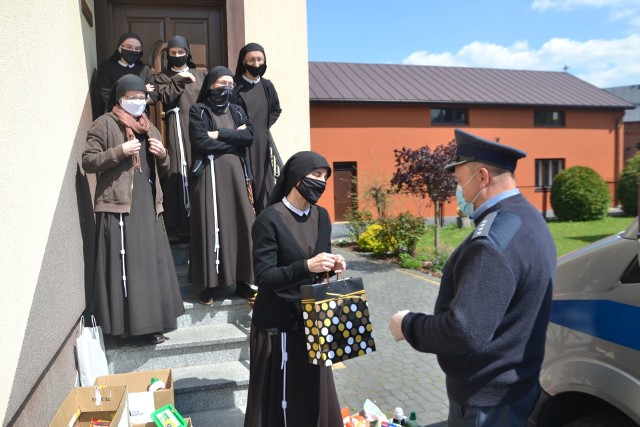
<point>499,228</point>
<point>482,230</point>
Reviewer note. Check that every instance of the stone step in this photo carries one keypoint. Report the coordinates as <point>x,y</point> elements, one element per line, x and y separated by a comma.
<point>232,417</point>
<point>191,346</point>
<point>213,386</point>
<point>180,252</point>
<point>223,310</point>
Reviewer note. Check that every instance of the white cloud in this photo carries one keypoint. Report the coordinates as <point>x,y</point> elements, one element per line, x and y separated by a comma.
<point>603,63</point>
<point>617,5</point>
<point>618,10</point>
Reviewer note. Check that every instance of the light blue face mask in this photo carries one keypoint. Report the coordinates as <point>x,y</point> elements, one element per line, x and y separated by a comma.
<point>465,207</point>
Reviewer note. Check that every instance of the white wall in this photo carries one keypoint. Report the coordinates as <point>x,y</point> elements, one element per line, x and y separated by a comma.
<point>45,88</point>
<point>280,26</point>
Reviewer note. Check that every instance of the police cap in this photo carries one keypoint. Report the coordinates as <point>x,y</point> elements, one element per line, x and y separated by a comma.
<point>471,148</point>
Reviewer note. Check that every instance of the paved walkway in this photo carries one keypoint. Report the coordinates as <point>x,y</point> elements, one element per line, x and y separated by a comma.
<point>395,374</point>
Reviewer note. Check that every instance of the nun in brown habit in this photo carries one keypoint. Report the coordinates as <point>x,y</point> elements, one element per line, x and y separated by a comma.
<point>291,247</point>
<point>136,290</point>
<point>259,99</point>
<point>178,87</point>
<point>221,209</point>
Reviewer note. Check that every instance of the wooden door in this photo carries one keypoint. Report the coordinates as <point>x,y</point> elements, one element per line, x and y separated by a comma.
<point>344,189</point>
<point>201,22</point>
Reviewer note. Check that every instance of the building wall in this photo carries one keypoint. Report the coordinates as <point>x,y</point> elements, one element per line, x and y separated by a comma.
<point>280,26</point>
<point>631,139</point>
<point>45,116</point>
<point>46,220</point>
<point>368,134</point>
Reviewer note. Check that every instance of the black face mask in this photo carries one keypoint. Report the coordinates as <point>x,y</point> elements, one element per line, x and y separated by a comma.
<point>130,56</point>
<point>220,98</point>
<point>256,71</point>
<point>177,61</point>
<point>311,189</point>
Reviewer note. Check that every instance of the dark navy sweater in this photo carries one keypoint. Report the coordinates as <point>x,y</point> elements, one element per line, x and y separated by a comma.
<point>490,318</point>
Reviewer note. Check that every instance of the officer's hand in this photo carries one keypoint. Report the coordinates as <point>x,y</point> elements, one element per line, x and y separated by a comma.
<point>395,324</point>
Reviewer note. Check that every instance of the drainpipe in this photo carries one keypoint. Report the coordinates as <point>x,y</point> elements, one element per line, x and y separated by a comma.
<point>617,154</point>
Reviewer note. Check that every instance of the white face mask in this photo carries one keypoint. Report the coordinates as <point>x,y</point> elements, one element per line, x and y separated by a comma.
<point>135,107</point>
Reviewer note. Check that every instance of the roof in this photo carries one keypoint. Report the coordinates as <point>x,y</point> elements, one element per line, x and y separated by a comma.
<point>632,95</point>
<point>354,82</point>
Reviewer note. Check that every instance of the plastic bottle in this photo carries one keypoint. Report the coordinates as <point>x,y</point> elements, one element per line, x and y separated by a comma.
<point>412,420</point>
<point>156,384</point>
<point>398,416</point>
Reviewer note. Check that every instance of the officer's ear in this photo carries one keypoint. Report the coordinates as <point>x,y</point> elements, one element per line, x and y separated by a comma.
<point>485,174</point>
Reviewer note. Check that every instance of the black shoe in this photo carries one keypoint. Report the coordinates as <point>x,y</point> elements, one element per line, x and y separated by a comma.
<point>156,338</point>
<point>246,291</point>
<point>207,296</point>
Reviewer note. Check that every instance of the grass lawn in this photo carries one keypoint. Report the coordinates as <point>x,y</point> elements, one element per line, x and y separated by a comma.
<point>568,236</point>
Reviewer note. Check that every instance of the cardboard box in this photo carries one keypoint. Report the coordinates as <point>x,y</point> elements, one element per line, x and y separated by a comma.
<point>142,402</point>
<point>84,403</point>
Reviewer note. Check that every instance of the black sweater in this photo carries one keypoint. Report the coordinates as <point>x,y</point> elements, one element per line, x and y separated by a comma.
<point>490,319</point>
<point>280,269</point>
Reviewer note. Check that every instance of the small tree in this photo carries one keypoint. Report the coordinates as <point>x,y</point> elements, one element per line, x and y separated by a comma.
<point>627,190</point>
<point>421,173</point>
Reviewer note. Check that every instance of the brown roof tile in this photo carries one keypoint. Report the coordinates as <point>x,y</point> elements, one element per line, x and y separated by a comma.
<point>354,82</point>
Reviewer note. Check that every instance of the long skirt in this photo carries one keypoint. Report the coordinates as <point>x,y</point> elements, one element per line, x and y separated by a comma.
<point>231,262</point>
<point>308,389</point>
<point>151,300</point>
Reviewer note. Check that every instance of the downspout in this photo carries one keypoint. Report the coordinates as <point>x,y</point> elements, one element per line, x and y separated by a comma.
<point>617,154</point>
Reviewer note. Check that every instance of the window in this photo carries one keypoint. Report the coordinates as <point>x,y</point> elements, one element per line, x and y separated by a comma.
<point>546,169</point>
<point>548,118</point>
<point>449,116</point>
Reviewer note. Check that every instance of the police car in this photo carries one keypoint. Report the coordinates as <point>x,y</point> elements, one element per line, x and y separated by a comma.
<point>591,372</point>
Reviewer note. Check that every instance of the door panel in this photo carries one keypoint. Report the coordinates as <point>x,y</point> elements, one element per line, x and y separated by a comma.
<point>156,24</point>
<point>344,188</point>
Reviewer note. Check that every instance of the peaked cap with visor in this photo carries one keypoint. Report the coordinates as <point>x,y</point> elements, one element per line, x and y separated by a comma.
<point>471,148</point>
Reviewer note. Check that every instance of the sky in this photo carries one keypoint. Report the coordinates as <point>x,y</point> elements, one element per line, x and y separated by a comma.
<point>595,40</point>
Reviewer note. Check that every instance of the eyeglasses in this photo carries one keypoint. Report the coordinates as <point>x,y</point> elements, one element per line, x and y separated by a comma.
<point>136,97</point>
<point>130,47</point>
<point>254,61</point>
<point>226,84</point>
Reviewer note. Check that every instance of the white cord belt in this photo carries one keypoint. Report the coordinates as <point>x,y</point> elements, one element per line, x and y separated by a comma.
<point>183,162</point>
<point>283,366</point>
<point>122,252</point>
<point>215,212</point>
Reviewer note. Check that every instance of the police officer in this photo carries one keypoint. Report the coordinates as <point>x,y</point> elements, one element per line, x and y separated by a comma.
<point>490,318</point>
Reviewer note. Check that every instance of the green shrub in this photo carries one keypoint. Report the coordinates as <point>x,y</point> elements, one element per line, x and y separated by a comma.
<point>579,194</point>
<point>627,191</point>
<point>436,259</point>
<point>376,238</point>
<point>410,262</point>
<point>407,230</point>
<point>358,221</point>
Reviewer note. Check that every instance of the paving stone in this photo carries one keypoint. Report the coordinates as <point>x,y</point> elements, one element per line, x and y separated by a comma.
<point>396,374</point>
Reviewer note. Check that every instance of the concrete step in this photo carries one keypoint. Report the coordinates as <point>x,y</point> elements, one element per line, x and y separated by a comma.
<point>180,252</point>
<point>232,417</point>
<point>190,346</point>
<point>234,310</point>
<point>213,386</point>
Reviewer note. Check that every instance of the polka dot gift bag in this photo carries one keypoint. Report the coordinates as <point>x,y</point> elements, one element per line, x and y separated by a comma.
<point>336,321</point>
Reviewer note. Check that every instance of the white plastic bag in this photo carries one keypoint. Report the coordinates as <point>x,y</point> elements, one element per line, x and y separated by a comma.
<point>92,358</point>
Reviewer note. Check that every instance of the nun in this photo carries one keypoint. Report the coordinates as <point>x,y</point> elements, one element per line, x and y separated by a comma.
<point>291,247</point>
<point>221,199</point>
<point>178,86</point>
<point>125,60</point>
<point>136,290</point>
<point>259,99</point>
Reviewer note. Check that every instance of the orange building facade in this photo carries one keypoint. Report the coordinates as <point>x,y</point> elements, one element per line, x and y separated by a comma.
<point>359,139</point>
